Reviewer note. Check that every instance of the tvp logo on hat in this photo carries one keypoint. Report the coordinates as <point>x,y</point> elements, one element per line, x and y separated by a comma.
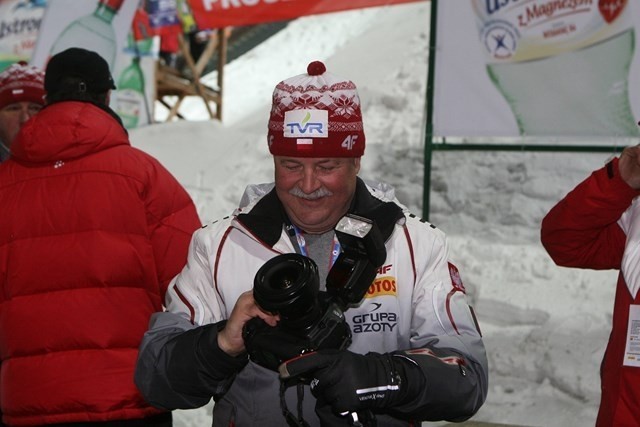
<point>21,83</point>
<point>316,115</point>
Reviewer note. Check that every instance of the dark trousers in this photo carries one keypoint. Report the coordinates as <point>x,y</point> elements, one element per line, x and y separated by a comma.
<point>162,420</point>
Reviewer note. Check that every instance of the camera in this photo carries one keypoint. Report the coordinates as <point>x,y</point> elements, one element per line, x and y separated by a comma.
<point>311,319</point>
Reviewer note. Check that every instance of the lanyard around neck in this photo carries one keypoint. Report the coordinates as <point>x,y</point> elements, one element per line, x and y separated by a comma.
<point>302,245</point>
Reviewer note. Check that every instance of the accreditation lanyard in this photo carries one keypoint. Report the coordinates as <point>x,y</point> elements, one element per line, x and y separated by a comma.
<point>302,245</point>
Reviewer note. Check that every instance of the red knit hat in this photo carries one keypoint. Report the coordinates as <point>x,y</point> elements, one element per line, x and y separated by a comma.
<point>21,82</point>
<point>316,115</point>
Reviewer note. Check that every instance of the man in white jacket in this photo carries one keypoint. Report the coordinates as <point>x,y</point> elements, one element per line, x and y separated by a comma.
<point>412,349</point>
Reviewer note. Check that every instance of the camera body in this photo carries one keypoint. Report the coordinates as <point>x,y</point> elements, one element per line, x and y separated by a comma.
<point>311,319</point>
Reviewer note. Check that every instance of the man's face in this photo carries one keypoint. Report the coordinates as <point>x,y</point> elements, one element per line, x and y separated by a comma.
<point>13,116</point>
<point>316,192</point>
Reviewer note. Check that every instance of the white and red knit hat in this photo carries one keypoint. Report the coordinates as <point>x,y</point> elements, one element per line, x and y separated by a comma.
<point>316,115</point>
<point>21,82</point>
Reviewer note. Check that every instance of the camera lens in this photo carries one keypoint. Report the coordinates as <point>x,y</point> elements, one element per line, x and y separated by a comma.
<point>283,277</point>
<point>288,284</point>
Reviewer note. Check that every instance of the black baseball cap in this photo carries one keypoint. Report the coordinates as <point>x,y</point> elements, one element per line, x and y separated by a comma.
<point>84,64</point>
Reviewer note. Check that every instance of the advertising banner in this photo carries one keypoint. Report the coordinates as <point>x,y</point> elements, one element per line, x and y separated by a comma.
<point>233,13</point>
<point>537,68</point>
<point>104,26</point>
<point>19,25</point>
<point>135,75</point>
<point>101,26</point>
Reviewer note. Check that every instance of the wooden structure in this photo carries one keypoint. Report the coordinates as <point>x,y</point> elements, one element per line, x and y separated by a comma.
<point>172,86</point>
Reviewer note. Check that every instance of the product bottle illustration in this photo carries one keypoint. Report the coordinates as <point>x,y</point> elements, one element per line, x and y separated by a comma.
<point>130,98</point>
<point>561,66</point>
<point>94,32</point>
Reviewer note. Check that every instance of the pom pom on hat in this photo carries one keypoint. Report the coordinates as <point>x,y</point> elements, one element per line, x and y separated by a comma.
<point>21,82</point>
<point>316,115</point>
<point>316,68</point>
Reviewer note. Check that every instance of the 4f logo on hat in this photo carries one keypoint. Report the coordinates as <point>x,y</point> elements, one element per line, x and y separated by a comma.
<point>349,142</point>
<point>306,123</point>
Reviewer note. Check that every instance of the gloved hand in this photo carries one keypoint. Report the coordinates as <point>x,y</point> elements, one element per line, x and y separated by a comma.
<point>349,382</point>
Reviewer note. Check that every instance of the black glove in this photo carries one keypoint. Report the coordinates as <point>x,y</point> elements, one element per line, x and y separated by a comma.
<point>350,382</point>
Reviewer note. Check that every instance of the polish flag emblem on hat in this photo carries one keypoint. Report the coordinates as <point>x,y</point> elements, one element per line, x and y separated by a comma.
<point>316,114</point>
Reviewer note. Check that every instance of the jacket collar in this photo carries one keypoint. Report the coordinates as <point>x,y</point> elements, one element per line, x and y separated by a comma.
<point>268,216</point>
<point>67,130</point>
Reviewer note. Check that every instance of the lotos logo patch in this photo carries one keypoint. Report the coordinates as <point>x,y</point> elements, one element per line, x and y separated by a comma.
<point>306,124</point>
<point>382,286</point>
<point>611,9</point>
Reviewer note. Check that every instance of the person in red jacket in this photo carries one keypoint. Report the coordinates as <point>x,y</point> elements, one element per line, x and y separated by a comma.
<point>597,226</point>
<point>21,96</point>
<point>92,232</point>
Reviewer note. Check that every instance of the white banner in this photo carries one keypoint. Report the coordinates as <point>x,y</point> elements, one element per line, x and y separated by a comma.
<point>101,26</point>
<point>19,25</point>
<point>537,68</point>
<point>135,75</point>
<point>104,26</point>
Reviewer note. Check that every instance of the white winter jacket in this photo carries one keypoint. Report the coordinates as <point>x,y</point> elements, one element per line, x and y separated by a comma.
<point>416,304</point>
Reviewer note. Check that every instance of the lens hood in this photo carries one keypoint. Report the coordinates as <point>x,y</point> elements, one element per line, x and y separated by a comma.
<point>288,284</point>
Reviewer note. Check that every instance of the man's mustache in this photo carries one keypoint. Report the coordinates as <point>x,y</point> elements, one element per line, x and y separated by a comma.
<point>320,192</point>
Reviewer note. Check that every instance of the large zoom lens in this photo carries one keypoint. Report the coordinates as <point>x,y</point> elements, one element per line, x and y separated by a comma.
<point>288,285</point>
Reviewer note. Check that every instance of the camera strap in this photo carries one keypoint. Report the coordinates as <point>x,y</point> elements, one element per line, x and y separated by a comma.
<point>292,420</point>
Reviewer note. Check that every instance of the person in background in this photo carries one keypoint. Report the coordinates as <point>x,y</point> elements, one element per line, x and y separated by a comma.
<point>92,232</point>
<point>169,49</point>
<point>416,352</point>
<point>597,226</point>
<point>21,96</point>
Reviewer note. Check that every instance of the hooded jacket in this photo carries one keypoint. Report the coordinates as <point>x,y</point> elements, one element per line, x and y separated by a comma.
<point>92,232</point>
<point>416,305</point>
<point>597,226</point>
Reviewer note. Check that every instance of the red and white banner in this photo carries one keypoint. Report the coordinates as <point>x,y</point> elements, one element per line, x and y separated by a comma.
<point>234,13</point>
